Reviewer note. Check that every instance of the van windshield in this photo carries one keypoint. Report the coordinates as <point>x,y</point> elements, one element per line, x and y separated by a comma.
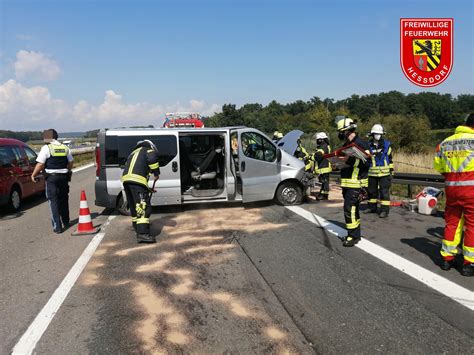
<point>118,148</point>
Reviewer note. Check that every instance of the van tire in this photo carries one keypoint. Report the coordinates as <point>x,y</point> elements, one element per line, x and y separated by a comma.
<point>122,207</point>
<point>289,193</point>
<point>14,200</point>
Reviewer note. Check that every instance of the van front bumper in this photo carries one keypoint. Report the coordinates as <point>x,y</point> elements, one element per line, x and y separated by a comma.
<point>102,197</point>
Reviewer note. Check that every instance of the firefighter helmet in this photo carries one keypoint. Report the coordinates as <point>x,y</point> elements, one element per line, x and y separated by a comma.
<point>346,123</point>
<point>321,135</point>
<point>377,129</point>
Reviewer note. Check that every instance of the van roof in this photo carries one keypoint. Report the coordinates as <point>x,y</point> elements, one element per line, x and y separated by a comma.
<point>136,131</point>
<point>11,141</point>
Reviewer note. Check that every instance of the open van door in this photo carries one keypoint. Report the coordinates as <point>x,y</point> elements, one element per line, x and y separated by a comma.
<point>258,166</point>
<point>168,187</point>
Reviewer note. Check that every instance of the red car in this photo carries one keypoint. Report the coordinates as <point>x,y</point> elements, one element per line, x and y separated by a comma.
<point>17,162</point>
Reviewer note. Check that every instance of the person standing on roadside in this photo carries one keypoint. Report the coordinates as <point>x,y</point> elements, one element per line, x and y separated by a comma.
<point>322,166</point>
<point>56,160</point>
<point>380,172</point>
<point>454,159</point>
<point>142,162</point>
<point>353,178</point>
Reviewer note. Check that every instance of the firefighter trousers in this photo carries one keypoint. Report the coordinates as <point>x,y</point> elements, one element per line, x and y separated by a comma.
<point>379,188</point>
<point>458,214</point>
<point>138,197</point>
<point>324,180</point>
<point>351,211</point>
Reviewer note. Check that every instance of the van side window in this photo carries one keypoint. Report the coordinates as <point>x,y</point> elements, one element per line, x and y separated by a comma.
<point>256,146</point>
<point>118,148</point>
<point>31,155</point>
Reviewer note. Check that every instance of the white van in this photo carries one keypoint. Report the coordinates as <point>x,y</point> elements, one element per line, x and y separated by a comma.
<point>205,165</point>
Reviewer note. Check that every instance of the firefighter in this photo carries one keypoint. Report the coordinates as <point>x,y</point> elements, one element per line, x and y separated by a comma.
<point>353,178</point>
<point>322,166</point>
<point>380,172</point>
<point>454,159</point>
<point>277,136</point>
<point>56,160</point>
<point>142,162</point>
<point>302,154</point>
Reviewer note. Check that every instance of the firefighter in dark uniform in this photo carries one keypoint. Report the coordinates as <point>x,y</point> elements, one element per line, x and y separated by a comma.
<point>302,154</point>
<point>322,167</point>
<point>55,159</point>
<point>353,178</point>
<point>141,163</point>
<point>380,172</point>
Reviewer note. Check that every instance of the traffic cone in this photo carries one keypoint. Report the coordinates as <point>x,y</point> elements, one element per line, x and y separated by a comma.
<point>85,226</point>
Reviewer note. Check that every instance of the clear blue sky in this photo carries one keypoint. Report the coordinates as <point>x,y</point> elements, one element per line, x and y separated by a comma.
<point>225,51</point>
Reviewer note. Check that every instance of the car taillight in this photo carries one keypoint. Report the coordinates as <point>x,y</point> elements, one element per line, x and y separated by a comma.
<point>97,160</point>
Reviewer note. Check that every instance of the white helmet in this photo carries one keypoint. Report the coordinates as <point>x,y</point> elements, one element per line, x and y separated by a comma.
<point>377,129</point>
<point>321,135</point>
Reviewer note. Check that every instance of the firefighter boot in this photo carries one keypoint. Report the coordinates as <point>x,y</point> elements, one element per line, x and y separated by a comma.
<point>446,265</point>
<point>145,238</point>
<point>383,214</point>
<point>350,241</point>
<point>468,269</point>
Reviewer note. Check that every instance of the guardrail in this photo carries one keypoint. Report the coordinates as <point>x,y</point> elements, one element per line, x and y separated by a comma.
<point>84,150</point>
<point>410,179</point>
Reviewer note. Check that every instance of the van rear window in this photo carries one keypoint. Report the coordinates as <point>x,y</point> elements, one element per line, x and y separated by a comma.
<point>118,148</point>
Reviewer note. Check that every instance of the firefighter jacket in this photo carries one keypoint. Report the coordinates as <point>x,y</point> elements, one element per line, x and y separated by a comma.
<point>321,165</point>
<point>455,160</point>
<point>355,175</point>
<point>303,155</point>
<point>381,163</point>
<point>140,164</point>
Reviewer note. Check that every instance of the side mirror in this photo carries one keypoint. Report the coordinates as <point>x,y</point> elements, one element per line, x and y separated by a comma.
<point>278,155</point>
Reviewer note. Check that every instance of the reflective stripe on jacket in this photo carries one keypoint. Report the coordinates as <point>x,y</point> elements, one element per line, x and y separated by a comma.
<point>454,159</point>
<point>140,164</point>
<point>321,165</point>
<point>355,175</point>
<point>382,163</point>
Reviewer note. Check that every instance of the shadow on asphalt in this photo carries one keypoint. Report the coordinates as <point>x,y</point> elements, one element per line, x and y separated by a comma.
<point>26,204</point>
<point>425,246</point>
<point>436,232</point>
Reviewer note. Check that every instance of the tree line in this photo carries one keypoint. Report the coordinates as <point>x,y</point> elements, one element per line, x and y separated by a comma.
<point>409,119</point>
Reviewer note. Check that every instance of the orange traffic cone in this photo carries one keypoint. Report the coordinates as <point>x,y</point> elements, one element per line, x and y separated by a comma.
<point>85,226</point>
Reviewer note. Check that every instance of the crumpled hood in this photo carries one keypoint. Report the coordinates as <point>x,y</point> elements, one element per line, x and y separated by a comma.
<point>289,142</point>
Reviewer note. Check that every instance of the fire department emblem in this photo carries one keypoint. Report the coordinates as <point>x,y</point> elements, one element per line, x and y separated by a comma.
<point>426,50</point>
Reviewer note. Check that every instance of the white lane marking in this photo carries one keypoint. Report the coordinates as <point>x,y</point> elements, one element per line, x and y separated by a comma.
<point>430,279</point>
<point>35,331</point>
<point>75,170</point>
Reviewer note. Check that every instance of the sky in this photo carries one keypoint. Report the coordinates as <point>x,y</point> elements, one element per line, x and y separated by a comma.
<point>79,65</point>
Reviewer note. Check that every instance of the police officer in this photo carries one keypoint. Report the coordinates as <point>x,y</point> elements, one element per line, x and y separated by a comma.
<point>142,162</point>
<point>56,161</point>
<point>353,178</point>
<point>380,171</point>
<point>322,166</point>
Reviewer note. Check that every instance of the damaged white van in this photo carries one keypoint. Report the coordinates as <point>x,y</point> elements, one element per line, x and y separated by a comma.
<point>205,165</point>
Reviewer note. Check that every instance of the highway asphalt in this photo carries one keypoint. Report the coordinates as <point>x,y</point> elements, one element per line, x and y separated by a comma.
<point>229,279</point>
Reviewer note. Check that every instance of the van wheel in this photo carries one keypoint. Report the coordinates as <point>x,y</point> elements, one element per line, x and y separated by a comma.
<point>14,201</point>
<point>289,194</point>
<point>122,206</point>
